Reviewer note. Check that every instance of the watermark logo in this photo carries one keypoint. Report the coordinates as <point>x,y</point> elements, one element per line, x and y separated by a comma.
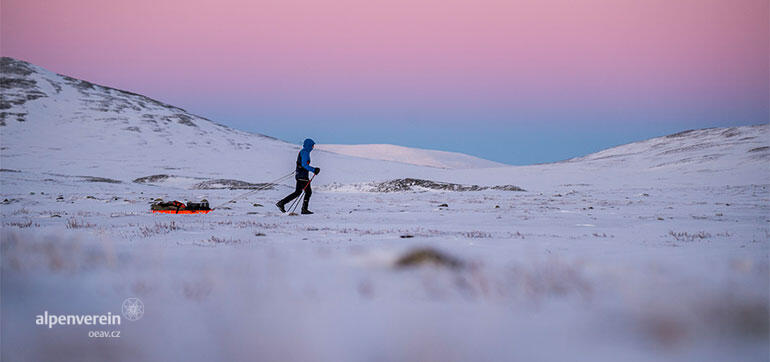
<point>133,309</point>
<point>107,324</point>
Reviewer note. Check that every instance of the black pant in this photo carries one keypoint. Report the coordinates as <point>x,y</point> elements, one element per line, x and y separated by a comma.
<point>298,191</point>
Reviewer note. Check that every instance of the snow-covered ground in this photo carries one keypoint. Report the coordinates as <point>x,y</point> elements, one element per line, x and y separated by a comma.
<point>656,250</point>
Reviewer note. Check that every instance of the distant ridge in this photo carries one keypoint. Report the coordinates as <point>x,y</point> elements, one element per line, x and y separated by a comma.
<point>415,156</point>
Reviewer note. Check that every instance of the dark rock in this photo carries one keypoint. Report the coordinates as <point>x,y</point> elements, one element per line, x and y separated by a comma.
<point>408,184</point>
<point>227,184</point>
<point>12,66</point>
<point>100,179</point>
<point>507,188</point>
<point>150,179</point>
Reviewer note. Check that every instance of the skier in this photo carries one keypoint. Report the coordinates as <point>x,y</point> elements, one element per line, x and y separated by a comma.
<point>302,176</point>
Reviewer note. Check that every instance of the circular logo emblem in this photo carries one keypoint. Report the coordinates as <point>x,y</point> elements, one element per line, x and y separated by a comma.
<point>133,309</point>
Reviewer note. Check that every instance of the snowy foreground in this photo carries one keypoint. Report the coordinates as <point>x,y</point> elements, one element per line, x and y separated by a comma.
<point>655,250</point>
<point>577,273</point>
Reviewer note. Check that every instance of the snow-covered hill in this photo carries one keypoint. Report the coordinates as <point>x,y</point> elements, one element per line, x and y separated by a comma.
<point>733,146</point>
<point>414,156</point>
<point>56,124</point>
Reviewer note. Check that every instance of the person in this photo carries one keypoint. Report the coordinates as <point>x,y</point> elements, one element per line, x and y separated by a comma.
<point>302,174</point>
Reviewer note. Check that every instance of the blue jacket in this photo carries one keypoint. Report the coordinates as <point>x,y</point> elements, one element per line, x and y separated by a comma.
<point>303,161</point>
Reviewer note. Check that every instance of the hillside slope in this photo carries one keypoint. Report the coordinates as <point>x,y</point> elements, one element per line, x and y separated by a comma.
<point>415,156</point>
<point>715,156</point>
<point>54,124</point>
<point>57,124</point>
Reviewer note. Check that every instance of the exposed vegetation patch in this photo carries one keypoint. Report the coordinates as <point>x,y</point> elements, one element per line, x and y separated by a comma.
<point>476,234</point>
<point>16,88</point>
<point>681,134</point>
<point>150,179</point>
<point>220,184</point>
<point>242,224</point>
<point>74,223</point>
<point>407,184</point>
<point>685,236</point>
<point>428,256</point>
<point>11,83</point>
<point>158,229</point>
<point>730,132</point>
<point>100,179</point>
<point>22,224</point>
<point>410,184</point>
<point>15,67</point>
<point>214,240</point>
<point>19,116</point>
<point>507,188</point>
<point>180,118</point>
<point>56,86</point>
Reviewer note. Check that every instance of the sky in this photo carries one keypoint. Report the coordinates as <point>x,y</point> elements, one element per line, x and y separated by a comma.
<point>518,82</point>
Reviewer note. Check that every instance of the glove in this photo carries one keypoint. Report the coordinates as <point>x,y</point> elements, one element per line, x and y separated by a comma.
<point>317,170</point>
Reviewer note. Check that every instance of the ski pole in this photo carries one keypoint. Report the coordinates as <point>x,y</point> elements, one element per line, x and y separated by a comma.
<point>260,188</point>
<point>295,203</point>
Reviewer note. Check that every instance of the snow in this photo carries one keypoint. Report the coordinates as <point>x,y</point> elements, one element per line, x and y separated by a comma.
<point>656,250</point>
<point>414,156</point>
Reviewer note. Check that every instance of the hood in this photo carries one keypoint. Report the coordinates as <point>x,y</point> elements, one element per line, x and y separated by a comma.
<point>308,144</point>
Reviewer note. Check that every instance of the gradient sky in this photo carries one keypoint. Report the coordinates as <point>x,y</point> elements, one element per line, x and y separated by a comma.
<point>518,82</point>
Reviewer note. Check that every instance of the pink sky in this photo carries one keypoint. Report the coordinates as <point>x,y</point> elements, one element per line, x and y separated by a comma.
<point>481,59</point>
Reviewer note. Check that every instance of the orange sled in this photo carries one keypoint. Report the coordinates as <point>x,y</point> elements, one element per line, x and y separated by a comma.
<point>183,211</point>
